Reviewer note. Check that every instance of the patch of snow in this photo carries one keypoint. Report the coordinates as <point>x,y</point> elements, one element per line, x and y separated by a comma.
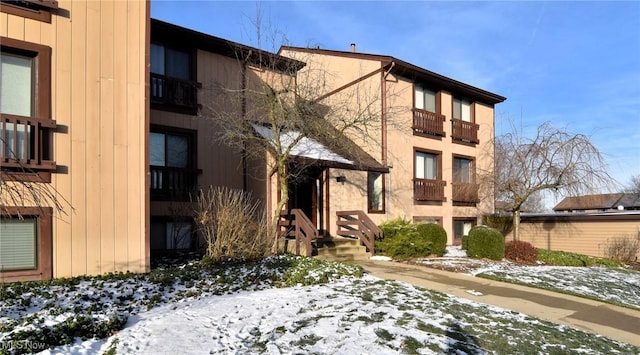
<point>455,251</point>
<point>475,293</point>
<point>380,258</point>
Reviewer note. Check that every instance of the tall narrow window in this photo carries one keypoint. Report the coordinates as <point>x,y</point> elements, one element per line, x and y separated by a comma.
<point>375,192</point>
<point>172,159</point>
<point>26,127</point>
<point>462,170</point>
<point>18,244</point>
<point>426,166</point>
<point>462,110</point>
<point>172,79</point>
<point>425,99</point>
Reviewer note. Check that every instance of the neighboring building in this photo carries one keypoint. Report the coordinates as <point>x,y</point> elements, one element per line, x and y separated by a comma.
<point>73,114</point>
<point>432,132</point>
<point>600,203</point>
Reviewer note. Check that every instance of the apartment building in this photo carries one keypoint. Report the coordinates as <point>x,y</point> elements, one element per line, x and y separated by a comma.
<point>433,133</point>
<point>74,126</point>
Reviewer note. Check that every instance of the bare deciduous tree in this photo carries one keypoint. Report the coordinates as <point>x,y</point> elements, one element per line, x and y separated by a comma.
<point>634,184</point>
<point>554,161</point>
<point>288,111</point>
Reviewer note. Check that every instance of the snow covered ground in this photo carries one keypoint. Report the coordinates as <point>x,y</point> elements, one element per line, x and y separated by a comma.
<point>241,310</point>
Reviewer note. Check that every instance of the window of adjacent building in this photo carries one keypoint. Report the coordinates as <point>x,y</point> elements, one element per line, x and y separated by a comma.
<point>169,235</point>
<point>462,170</point>
<point>25,106</point>
<point>170,62</point>
<point>426,165</point>
<point>461,227</point>
<point>34,9</point>
<point>25,243</point>
<point>462,110</point>
<point>375,192</point>
<point>425,99</point>
<point>172,159</point>
<point>18,244</point>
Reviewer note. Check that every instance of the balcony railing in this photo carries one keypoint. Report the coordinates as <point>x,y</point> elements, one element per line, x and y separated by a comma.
<point>172,183</point>
<point>25,142</point>
<point>465,192</point>
<point>464,131</point>
<point>428,123</point>
<point>428,190</point>
<point>173,91</point>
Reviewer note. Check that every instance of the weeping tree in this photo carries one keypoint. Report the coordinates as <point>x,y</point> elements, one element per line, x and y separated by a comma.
<point>286,106</point>
<point>553,161</point>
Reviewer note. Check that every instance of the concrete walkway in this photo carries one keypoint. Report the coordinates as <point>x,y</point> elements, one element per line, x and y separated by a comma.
<point>614,322</point>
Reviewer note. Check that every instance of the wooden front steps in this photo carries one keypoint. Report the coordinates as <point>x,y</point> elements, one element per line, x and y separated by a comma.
<point>341,249</point>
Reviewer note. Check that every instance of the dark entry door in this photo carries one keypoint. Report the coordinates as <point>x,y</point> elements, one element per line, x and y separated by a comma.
<point>303,192</point>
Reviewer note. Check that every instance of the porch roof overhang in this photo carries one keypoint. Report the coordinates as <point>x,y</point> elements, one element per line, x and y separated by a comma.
<point>313,151</point>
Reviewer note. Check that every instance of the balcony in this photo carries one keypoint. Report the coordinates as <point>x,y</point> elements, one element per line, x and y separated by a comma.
<point>172,184</point>
<point>173,92</point>
<point>464,132</point>
<point>465,193</point>
<point>25,143</point>
<point>427,123</point>
<point>428,190</point>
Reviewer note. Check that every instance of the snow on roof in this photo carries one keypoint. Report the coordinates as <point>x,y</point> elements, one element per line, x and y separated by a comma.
<point>306,147</point>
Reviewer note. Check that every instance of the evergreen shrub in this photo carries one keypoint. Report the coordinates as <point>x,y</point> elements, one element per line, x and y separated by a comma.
<point>485,242</point>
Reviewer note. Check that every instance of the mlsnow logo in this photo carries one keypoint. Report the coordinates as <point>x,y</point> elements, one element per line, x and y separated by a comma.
<point>14,345</point>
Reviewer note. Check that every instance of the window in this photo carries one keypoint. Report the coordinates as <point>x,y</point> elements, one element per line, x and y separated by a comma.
<point>462,170</point>
<point>427,183</point>
<point>426,121</point>
<point>464,130</point>
<point>375,192</point>
<point>465,190</point>
<point>172,84</point>
<point>171,235</point>
<point>33,9</point>
<point>462,110</point>
<point>25,107</point>
<point>172,160</point>
<point>461,227</point>
<point>427,219</point>
<point>425,99</point>
<point>25,244</point>
<point>426,166</point>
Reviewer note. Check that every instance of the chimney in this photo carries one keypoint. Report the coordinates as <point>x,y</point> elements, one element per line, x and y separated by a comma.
<point>353,47</point>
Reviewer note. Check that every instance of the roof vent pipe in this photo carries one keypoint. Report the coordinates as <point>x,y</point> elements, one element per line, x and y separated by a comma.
<point>353,47</point>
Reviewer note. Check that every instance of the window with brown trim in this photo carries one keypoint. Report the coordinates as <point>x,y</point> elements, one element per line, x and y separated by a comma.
<point>34,9</point>
<point>375,192</point>
<point>26,244</point>
<point>172,156</point>
<point>173,84</point>
<point>427,179</point>
<point>427,120</point>
<point>26,127</point>
<point>465,188</point>
<point>461,227</point>
<point>463,127</point>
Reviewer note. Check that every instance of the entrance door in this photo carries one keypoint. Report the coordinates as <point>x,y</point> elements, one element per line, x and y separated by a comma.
<point>303,193</point>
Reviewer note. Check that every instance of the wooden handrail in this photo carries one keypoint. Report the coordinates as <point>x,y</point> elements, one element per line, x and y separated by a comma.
<point>173,91</point>
<point>25,142</point>
<point>296,221</point>
<point>428,189</point>
<point>428,123</point>
<point>358,224</point>
<point>464,131</point>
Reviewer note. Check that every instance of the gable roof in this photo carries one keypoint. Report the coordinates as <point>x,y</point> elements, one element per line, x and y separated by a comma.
<point>629,201</point>
<point>181,37</point>
<point>413,72</point>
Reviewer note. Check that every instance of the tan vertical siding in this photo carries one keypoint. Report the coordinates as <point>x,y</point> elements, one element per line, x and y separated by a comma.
<point>99,103</point>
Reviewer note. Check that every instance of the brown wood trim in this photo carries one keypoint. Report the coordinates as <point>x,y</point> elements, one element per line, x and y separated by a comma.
<point>26,176</point>
<point>44,271</point>
<point>40,10</point>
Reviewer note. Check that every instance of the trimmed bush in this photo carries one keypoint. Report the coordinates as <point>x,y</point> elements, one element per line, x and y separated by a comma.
<point>520,252</point>
<point>465,242</point>
<point>435,234</point>
<point>405,240</point>
<point>485,242</point>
